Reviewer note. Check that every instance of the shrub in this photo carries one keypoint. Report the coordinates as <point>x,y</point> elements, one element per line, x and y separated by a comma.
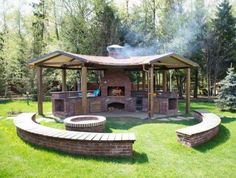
<point>227,95</point>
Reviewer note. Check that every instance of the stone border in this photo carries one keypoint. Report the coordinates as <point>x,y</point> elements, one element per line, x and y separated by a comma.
<point>85,123</point>
<point>69,121</point>
<point>83,143</point>
<point>202,132</point>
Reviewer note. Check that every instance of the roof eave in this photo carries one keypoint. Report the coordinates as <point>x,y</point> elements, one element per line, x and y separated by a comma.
<point>182,59</point>
<point>33,62</point>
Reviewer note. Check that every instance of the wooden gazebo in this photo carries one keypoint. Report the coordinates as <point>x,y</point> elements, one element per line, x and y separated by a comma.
<point>113,63</point>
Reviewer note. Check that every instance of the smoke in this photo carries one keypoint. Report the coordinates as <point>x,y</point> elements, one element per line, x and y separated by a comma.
<point>181,28</point>
<point>182,39</point>
<point>179,43</point>
<point>128,50</point>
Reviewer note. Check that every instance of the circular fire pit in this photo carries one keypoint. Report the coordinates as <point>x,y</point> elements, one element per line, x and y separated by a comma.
<point>86,123</point>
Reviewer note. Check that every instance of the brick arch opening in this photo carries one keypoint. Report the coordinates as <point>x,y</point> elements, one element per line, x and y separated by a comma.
<point>115,106</point>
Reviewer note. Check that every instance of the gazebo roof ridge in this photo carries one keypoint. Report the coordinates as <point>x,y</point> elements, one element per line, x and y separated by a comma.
<point>61,58</point>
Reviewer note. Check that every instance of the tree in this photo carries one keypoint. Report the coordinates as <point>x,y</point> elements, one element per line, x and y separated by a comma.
<point>198,14</point>
<point>224,28</point>
<point>3,33</point>
<point>21,53</point>
<point>75,26</point>
<point>105,24</point>
<point>227,96</point>
<point>2,61</point>
<point>38,27</point>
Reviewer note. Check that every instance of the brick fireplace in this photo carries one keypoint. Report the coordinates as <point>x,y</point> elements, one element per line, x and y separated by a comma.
<point>115,83</point>
<point>115,91</point>
<point>116,87</point>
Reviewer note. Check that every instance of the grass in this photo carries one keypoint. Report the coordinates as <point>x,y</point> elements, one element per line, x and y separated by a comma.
<point>17,106</point>
<point>157,153</point>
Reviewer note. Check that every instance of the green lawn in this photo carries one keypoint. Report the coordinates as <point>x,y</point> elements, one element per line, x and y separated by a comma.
<point>157,153</point>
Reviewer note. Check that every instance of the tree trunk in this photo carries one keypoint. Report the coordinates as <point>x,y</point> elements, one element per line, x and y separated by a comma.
<point>55,18</point>
<point>127,8</point>
<point>209,85</point>
<point>179,86</point>
<point>6,89</point>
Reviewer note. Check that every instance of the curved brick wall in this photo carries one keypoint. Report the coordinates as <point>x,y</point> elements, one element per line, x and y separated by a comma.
<point>202,132</point>
<point>84,143</point>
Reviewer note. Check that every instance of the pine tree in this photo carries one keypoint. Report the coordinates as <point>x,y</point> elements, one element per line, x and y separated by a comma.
<point>227,95</point>
<point>225,28</point>
<point>105,22</point>
<point>224,34</point>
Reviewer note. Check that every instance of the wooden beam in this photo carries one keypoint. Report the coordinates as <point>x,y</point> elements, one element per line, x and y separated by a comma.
<point>63,63</point>
<point>61,67</point>
<point>151,92</point>
<point>126,68</point>
<point>170,64</point>
<point>168,68</point>
<point>64,88</point>
<point>84,89</point>
<point>187,107</point>
<point>164,81</point>
<point>40,89</point>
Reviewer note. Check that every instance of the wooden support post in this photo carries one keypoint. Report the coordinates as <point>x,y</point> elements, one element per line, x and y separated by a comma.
<point>150,92</point>
<point>196,83</point>
<point>164,81</point>
<point>187,88</point>
<point>40,89</point>
<point>154,80</point>
<point>157,79</point>
<point>137,75</point>
<point>143,80</point>
<point>64,80</point>
<point>84,89</point>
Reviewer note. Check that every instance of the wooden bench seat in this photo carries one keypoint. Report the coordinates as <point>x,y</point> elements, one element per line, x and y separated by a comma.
<point>85,143</point>
<point>202,132</point>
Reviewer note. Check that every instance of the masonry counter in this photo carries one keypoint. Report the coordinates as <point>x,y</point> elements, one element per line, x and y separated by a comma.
<point>65,104</point>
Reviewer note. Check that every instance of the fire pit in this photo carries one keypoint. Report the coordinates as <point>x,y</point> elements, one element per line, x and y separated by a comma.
<point>85,123</point>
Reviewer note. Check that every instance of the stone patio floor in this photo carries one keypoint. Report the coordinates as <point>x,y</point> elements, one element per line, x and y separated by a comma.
<point>139,115</point>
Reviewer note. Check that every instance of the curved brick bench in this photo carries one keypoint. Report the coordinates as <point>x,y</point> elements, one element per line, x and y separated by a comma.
<point>202,132</point>
<point>85,123</point>
<point>84,143</point>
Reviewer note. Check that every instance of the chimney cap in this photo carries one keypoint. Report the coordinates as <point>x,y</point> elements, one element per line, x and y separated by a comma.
<point>112,47</point>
